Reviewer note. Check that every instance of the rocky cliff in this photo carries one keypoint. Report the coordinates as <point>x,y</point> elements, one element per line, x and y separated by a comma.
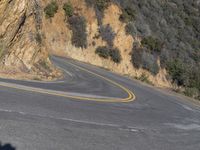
<point>22,52</point>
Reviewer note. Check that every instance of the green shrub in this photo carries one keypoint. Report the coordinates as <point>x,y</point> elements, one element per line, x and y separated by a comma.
<point>131,29</point>
<point>107,34</point>
<point>102,4</point>
<point>99,7</point>
<point>115,55</point>
<point>51,9</point>
<point>188,21</point>
<point>106,52</point>
<point>143,59</point>
<point>136,57</point>
<point>152,44</point>
<point>78,27</point>
<point>103,52</point>
<point>149,62</point>
<point>68,8</point>
<point>176,70</point>
<point>192,92</point>
<point>128,15</point>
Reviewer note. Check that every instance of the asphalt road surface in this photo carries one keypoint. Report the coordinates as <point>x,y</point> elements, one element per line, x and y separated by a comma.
<point>94,109</point>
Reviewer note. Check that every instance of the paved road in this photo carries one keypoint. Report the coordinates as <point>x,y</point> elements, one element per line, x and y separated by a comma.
<point>68,114</point>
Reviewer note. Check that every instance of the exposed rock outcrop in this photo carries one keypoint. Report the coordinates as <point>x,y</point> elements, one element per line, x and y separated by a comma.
<point>22,49</point>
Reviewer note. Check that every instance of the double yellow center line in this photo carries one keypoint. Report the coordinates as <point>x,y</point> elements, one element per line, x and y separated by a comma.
<point>129,98</point>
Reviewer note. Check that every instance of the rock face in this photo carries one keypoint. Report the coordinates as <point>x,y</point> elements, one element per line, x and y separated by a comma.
<point>22,50</point>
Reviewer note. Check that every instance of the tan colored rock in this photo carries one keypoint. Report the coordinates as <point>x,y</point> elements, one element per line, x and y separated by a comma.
<point>20,24</point>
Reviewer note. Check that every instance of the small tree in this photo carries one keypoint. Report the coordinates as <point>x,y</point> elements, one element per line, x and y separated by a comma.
<point>68,8</point>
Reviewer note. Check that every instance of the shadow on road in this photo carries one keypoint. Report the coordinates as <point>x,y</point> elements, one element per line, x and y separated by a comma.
<point>6,147</point>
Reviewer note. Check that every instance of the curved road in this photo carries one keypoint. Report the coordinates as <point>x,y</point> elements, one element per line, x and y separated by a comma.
<point>93,109</point>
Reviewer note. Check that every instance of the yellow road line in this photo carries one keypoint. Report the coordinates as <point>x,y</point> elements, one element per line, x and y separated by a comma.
<point>130,97</point>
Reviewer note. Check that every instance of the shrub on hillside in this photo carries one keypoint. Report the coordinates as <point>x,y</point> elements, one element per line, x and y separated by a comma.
<point>68,8</point>
<point>149,62</point>
<point>38,38</point>
<point>99,6</point>
<point>79,33</point>
<point>107,34</point>
<point>106,52</point>
<point>128,15</point>
<point>152,44</point>
<point>51,9</point>
<point>141,58</point>
<point>176,69</point>
<point>136,57</point>
<point>192,92</point>
<point>103,52</point>
<point>102,4</point>
<point>131,29</point>
<point>115,55</point>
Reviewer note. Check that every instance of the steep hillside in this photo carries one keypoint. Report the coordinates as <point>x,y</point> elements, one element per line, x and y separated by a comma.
<point>110,34</point>
<point>152,40</point>
<point>170,29</point>
<point>22,52</point>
